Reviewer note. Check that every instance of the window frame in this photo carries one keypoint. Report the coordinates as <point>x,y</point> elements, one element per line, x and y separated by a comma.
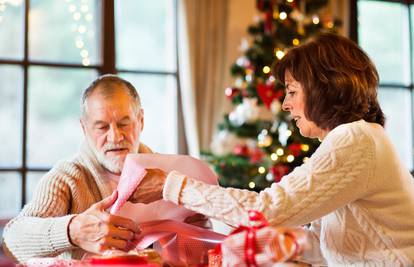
<point>106,65</point>
<point>353,34</point>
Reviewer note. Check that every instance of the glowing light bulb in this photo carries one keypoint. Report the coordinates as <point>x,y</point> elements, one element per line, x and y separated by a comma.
<point>77,16</point>
<point>305,159</point>
<point>72,8</point>
<point>88,17</point>
<point>282,15</point>
<point>79,43</point>
<point>84,8</point>
<point>280,152</point>
<point>81,29</point>
<point>252,185</point>
<point>262,170</point>
<point>315,19</point>
<point>86,62</point>
<point>295,42</point>
<point>290,158</point>
<point>266,69</point>
<point>288,132</point>
<point>304,147</point>
<point>280,54</point>
<point>274,157</point>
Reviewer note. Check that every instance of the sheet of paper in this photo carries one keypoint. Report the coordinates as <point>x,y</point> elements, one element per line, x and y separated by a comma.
<point>161,210</point>
<point>131,176</point>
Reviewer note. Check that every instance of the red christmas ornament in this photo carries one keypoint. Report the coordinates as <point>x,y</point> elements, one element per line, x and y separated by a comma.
<point>279,171</point>
<point>230,92</point>
<point>256,155</point>
<point>295,149</point>
<point>241,150</point>
<point>268,21</point>
<point>268,93</point>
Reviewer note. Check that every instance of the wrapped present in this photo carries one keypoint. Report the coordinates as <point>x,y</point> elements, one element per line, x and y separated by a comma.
<point>259,245</point>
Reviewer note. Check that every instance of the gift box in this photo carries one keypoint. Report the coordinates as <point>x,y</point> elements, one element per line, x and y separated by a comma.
<point>259,245</point>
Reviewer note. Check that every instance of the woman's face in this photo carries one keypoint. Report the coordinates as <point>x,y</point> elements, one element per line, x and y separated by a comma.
<point>294,102</point>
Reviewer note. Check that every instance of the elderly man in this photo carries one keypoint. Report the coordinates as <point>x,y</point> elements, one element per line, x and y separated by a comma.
<point>67,215</point>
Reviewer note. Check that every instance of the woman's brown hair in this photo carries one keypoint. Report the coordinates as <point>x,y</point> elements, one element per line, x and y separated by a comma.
<point>339,80</point>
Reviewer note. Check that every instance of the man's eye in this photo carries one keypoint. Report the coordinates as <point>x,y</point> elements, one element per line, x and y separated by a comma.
<point>105,127</point>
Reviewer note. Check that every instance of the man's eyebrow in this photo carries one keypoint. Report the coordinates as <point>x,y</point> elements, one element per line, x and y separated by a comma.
<point>126,118</point>
<point>99,122</point>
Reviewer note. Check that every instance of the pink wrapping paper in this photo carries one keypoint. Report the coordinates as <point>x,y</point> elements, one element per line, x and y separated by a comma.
<point>179,243</point>
<point>161,221</point>
<point>162,210</point>
<point>131,176</point>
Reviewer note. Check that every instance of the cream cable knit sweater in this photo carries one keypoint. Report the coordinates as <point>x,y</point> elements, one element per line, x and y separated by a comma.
<point>71,187</point>
<point>354,189</point>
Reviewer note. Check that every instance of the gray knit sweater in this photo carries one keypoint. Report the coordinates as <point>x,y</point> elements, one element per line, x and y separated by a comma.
<point>69,188</point>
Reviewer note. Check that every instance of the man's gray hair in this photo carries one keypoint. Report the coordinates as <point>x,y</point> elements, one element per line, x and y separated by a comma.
<point>106,88</point>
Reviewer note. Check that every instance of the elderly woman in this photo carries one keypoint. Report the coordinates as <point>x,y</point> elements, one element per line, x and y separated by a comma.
<point>354,191</point>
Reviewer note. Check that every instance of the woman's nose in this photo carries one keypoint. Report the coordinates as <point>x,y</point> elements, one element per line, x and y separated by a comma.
<point>285,105</point>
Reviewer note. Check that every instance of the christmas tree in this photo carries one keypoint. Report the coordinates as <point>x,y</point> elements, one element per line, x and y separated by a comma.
<point>257,143</point>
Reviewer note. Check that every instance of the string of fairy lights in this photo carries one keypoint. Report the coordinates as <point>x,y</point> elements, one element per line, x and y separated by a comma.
<point>264,139</point>
<point>82,17</point>
<point>80,12</point>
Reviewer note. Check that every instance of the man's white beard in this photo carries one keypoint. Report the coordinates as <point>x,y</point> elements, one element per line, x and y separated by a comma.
<point>113,164</point>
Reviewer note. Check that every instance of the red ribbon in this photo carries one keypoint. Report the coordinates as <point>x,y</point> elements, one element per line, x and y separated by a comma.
<point>259,222</point>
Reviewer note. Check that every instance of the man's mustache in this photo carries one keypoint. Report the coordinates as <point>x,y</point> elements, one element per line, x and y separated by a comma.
<point>111,146</point>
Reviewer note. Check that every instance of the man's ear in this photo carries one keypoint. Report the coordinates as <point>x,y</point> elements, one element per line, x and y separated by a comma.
<point>82,125</point>
<point>141,118</point>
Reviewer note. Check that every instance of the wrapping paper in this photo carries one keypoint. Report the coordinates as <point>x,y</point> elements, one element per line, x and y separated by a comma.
<point>161,222</point>
<point>179,243</point>
<point>161,210</point>
<point>131,175</point>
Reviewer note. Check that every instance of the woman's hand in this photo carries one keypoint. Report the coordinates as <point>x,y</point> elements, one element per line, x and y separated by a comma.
<point>95,230</point>
<point>150,188</point>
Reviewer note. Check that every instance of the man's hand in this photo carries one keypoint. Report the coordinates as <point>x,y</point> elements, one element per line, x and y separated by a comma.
<point>150,188</point>
<point>95,230</point>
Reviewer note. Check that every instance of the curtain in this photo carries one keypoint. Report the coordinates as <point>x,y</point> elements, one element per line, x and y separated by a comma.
<point>202,42</point>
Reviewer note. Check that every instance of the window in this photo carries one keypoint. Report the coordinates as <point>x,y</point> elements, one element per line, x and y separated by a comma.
<point>385,32</point>
<point>50,51</point>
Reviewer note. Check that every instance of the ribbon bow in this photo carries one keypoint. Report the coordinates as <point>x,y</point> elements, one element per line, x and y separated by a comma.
<point>280,244</point>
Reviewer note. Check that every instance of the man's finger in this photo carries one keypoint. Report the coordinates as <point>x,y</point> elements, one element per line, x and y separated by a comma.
<point>125,223</point>
<point>122,233</point>
<point>108,201</point>
<point>114,243</point>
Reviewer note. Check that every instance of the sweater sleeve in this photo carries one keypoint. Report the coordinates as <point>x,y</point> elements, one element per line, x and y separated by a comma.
<point>312,254</point>
<point>40,230</point>
<point>336,174</point>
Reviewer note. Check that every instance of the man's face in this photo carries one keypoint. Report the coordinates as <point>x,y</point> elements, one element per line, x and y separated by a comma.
<point>112,127</point>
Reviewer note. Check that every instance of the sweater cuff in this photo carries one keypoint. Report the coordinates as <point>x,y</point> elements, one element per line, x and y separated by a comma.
<point>59,233</point>
<point>173,185</point>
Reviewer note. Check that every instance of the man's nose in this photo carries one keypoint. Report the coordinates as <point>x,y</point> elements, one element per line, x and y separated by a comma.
<point>115,135</point>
